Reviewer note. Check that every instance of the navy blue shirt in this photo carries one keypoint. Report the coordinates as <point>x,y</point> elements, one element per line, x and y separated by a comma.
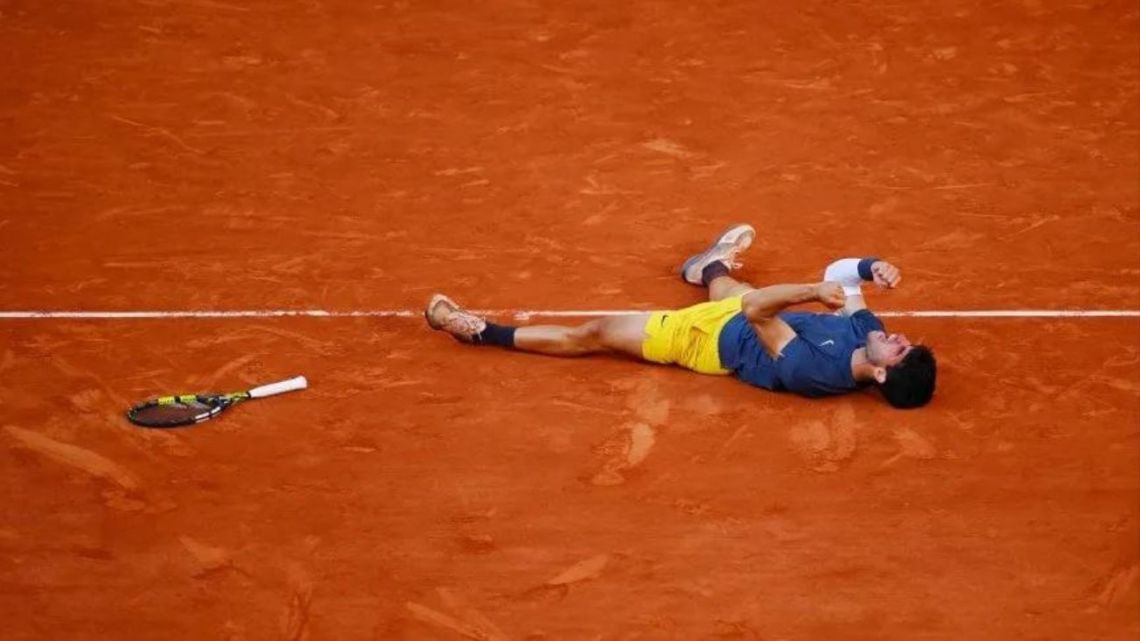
<point>817,362</point>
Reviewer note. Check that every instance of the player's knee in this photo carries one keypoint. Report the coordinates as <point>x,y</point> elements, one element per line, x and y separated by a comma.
<point>589,335</point>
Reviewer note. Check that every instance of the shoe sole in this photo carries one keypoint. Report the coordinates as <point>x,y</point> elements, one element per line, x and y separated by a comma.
<point>738,236</point>
<point>436,300</point>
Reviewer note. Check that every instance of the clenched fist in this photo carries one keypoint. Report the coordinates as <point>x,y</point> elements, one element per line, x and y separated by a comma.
<point>886,275</point>
<point>831,295</point>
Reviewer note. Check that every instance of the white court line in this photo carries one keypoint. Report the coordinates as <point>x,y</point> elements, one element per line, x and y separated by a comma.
<point>529,313</point>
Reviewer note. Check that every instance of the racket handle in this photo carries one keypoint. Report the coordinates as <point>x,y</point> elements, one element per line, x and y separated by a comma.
<point>280,387</point>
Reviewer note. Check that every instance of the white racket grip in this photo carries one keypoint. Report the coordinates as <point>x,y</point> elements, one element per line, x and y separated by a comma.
<point>279,387</point>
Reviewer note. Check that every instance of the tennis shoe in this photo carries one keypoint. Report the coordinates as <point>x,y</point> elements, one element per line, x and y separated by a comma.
<point>725,249</point>
<point>444,314</point>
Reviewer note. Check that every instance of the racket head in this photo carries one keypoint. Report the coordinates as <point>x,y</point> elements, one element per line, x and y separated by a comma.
<point>181,410</point>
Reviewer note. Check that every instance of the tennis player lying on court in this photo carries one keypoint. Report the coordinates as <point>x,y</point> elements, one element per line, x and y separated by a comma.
<point>743,331</point>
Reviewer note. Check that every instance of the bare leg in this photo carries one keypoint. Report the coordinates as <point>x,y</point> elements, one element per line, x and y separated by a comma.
<point>726,286</point>
<point>622,334</point>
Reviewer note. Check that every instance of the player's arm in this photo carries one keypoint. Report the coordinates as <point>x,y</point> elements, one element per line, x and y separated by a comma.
<point>852,272</point>
<point>761,307</point>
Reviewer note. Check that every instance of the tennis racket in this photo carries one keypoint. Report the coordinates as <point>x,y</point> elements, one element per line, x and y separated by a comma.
<point>190,409</point>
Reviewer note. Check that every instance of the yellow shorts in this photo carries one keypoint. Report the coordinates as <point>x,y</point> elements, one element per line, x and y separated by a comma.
<point>690,337</point>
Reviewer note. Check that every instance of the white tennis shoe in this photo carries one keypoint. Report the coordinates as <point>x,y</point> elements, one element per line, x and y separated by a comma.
<point>446,315</point>
<point>725,249</point>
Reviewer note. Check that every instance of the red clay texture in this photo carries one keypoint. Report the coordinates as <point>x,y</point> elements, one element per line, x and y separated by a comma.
<point>527,155</point>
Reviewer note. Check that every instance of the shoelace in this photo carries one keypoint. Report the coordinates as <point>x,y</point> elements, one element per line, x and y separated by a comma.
<point>731,260</point>
<point>460,322</point>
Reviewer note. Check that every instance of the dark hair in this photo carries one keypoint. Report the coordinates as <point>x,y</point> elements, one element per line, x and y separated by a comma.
<point>910,384</point>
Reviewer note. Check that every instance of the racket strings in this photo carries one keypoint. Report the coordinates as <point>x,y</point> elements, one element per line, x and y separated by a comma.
<point>177,410</point>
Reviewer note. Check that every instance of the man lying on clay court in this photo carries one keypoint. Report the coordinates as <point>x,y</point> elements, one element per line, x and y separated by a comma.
<point>742,331</point>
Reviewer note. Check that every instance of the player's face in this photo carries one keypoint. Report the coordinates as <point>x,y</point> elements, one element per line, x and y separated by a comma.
<point>885,350</point>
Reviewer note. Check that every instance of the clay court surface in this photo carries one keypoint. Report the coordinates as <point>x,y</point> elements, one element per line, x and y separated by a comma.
<point>201,155</point>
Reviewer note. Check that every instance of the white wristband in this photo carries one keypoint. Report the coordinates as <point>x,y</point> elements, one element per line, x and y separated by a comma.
<point>844,270</point>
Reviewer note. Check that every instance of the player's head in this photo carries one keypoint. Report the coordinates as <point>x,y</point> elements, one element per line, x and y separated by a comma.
<point>905,372</point>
